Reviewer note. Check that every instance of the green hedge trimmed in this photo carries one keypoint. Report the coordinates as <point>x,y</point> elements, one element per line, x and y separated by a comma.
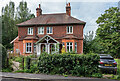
<point>69,64</point>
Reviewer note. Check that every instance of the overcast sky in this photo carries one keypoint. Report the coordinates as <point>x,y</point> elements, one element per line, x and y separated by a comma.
<point>85,10</point>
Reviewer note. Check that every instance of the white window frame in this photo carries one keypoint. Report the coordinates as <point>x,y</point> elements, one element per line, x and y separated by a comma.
<point>69,28</point>
<point>30,31</point>
<point>34,48</point>
<point>49,30</point>
<point>28,51</point>
<point>69,47</point>
<point>76,47</point>
<point>40,30</point>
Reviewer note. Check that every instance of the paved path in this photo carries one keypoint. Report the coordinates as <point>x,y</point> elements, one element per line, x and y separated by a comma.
<point>15,65</point>
<point>44,77</point>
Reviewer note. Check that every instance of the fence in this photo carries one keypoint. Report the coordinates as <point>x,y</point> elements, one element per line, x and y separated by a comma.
<point>13,54</point>
<point>26,62</point>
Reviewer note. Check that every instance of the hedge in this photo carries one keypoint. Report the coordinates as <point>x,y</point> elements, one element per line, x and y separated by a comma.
<point>69,64</point>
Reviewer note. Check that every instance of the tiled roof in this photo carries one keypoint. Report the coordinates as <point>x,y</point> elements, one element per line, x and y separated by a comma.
<point>47,19</point>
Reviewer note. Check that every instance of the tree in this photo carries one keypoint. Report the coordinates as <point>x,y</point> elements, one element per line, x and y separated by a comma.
<point>0,29</point>
<point>108,32</point>
<point>87,42</point>
<point>23,13</point>
<point>91,44</point>
<point>9,20</point>
<point>9,30</point>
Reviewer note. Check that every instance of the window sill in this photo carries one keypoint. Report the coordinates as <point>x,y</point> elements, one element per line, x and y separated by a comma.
<point>29,34</point>
<point>49,33</point>
<point>41,34</point>
<point>28,52</point>
<point>69,33</point>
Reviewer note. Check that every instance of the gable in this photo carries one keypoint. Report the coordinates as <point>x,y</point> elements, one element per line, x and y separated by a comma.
<point>43,39</point>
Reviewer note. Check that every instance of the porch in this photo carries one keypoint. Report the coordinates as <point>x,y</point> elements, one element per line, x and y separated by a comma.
<point>47,44</point>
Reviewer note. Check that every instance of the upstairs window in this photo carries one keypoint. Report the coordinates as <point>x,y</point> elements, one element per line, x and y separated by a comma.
<point>30,31</point>
<point>28,47</point>
<point>70,30</point>
<point>41,30</point>
<point>49,30</point>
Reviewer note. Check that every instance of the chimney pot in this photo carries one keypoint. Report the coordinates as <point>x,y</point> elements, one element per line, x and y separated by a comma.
<point>39,5</point>
<point>68,4</point>
<point>68,9</point>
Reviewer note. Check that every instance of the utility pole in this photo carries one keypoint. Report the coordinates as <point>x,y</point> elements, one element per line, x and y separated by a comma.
<point>119,10</point>
<point>119,5</point>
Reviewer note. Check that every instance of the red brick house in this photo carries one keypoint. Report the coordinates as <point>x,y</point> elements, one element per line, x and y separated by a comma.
<point>49,33</point>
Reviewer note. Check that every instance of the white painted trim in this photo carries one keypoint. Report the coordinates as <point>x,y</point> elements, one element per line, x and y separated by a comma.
<point>13,40</point>
<point>44,37</point>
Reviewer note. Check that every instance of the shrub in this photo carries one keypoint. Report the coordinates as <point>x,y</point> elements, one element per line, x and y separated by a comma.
<point>18,59</point>
<point>75,64</point>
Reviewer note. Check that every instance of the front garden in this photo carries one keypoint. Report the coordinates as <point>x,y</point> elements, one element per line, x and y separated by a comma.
<point>82,65</point>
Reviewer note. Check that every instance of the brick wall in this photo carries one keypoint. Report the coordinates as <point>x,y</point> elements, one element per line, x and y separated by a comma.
<point>58,31</point>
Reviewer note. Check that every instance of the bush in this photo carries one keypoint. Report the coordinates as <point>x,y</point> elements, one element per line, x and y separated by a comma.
<point>18,59</point>
<point>74,64</point>
<point>3,56</point>
<point>7,70</point>
<point>116,77</point>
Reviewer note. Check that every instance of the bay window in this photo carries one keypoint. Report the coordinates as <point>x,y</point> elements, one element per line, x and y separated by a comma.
<point>75,47</point>
<point>28,47</point>
<point>69,46</point>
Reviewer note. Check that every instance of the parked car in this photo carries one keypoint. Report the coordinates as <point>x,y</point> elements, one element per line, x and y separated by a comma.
<point>107,63</point>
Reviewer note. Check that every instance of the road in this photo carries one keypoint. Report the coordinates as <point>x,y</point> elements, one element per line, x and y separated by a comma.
<point>44,77</point>
<point>12,79</point>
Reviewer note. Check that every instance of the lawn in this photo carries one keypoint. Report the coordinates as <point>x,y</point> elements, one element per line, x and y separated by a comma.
<point>118,64</point>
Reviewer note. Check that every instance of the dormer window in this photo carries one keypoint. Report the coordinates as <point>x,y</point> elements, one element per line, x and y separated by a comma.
<point>70,30</point>
<point>30,31</point>
<point>41,30</point>
<point>49,30</point>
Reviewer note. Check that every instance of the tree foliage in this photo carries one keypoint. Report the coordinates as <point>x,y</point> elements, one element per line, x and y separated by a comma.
<point>90,43</point>
<point>9,30</point>
<point>108,32</point>
<point>10,18</point>
<point>23,13</point>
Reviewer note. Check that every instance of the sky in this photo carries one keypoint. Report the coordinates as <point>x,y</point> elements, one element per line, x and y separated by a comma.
<point>85,10</point>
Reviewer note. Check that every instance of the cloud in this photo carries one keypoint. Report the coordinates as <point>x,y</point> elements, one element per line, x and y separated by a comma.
<point>89,12</point>
<point>85,11</point>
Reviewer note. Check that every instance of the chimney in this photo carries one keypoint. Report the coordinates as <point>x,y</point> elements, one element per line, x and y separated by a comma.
<point>68,9</point>
<point>38,11</point>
